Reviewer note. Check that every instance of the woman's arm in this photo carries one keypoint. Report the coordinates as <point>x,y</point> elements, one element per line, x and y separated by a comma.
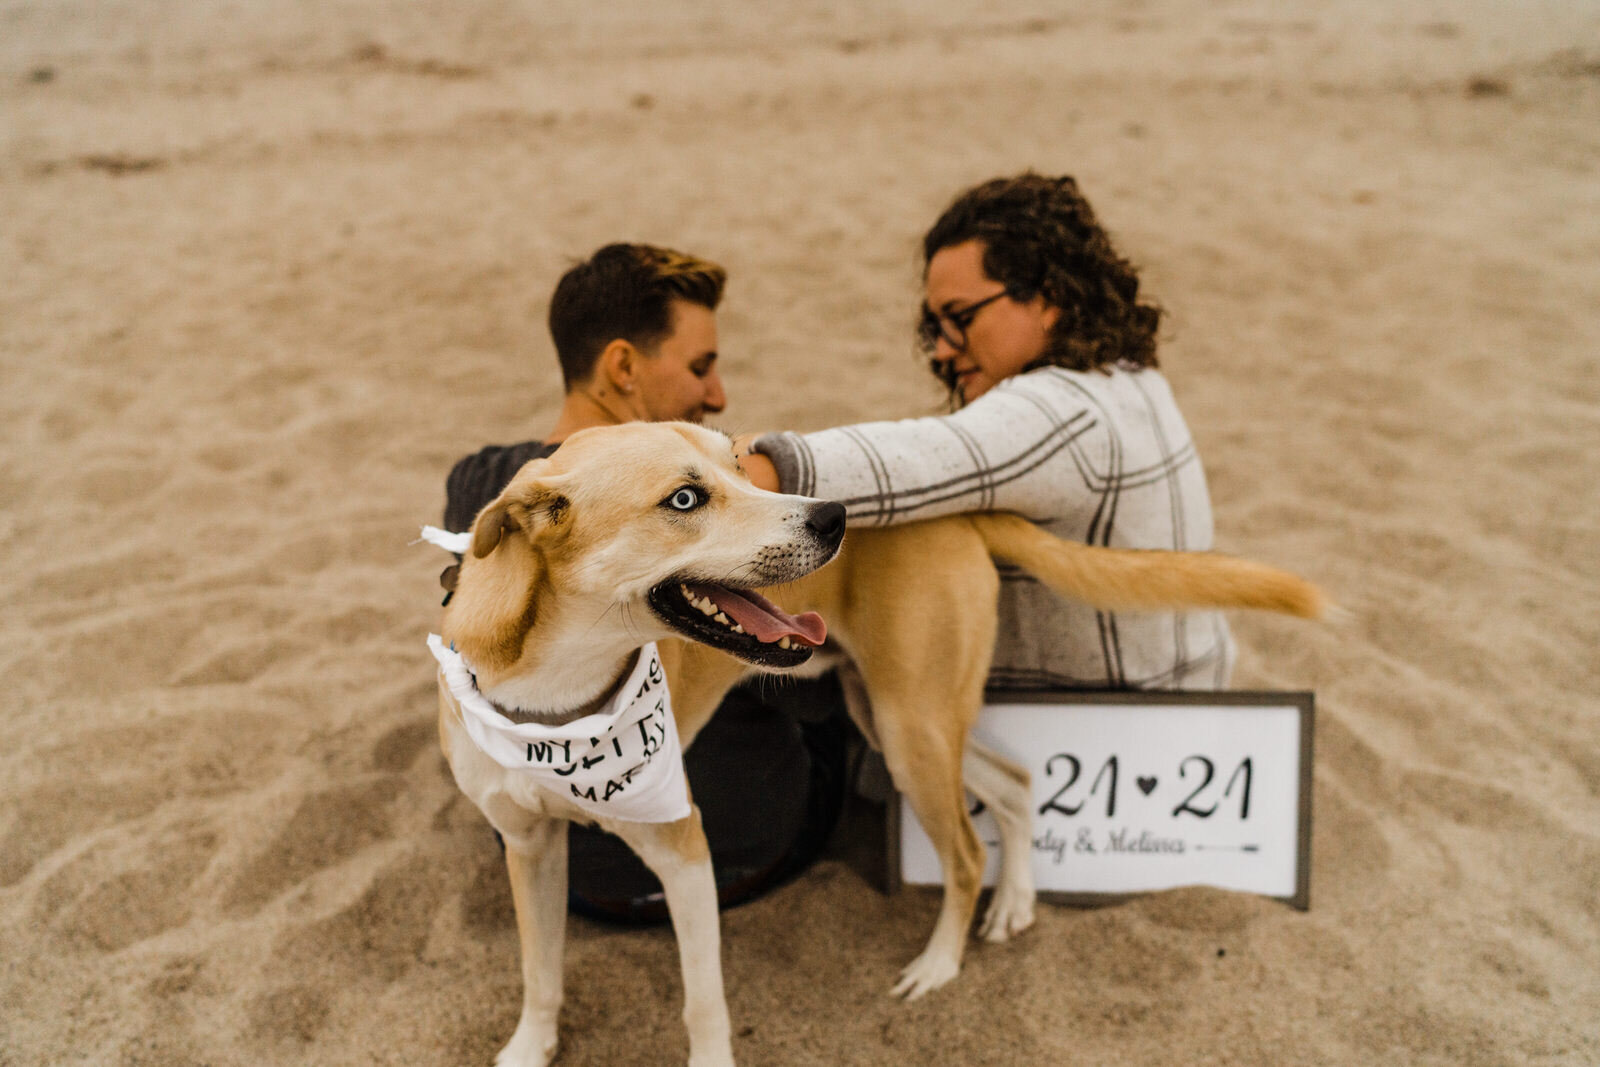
<point>1011,450</point>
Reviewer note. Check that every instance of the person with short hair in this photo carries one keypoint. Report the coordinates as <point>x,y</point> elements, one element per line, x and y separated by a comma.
<point>1036,325</point>
<point>635,332</point>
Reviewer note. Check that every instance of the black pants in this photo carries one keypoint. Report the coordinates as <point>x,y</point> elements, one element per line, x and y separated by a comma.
<point>768,774</point>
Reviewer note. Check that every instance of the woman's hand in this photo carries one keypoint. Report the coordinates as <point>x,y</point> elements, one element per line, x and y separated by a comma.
<point>757,467</point>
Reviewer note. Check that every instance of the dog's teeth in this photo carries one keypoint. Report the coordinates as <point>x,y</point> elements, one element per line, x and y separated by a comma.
<point>707,607</point>
<point>738,629</point>
<point>723,619</point>
<point>783,642</point>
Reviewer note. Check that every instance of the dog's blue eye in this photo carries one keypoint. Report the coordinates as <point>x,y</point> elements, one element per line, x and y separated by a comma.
<point>684,499</point>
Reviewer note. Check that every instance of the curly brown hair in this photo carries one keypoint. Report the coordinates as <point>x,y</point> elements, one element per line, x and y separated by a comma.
<point>1041,238</point>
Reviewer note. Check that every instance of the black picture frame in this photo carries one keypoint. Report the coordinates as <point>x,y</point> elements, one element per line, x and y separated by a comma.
<point>1303,700</point>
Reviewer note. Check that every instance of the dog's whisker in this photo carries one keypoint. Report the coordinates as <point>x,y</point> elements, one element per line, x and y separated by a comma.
<point>598,619</point>
<point>628,622</point>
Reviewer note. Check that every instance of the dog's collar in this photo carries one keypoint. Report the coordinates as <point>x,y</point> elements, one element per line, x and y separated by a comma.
<point>551,716</point>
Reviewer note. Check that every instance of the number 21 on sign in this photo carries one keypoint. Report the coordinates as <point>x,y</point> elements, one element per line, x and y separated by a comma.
<point>1198,771</point>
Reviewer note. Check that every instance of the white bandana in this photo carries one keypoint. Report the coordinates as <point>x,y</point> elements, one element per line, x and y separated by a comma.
<point>622,762</point>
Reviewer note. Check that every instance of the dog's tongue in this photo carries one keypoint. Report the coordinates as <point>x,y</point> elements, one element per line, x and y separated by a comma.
<point>763,619</point>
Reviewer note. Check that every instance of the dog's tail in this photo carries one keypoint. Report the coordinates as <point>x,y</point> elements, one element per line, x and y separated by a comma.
<point>1121,579</point>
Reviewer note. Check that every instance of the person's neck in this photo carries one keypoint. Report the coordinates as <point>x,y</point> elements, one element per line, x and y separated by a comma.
<point>583,409</point>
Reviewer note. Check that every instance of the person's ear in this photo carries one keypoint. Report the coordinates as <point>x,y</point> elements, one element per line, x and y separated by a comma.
<point>1049,314</point>
<point>619,366</point>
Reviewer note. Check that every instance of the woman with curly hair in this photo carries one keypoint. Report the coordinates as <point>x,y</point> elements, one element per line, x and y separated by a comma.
<point>1035,324</point>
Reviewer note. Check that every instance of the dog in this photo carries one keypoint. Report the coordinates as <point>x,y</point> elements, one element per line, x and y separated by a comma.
<point>649,532</point>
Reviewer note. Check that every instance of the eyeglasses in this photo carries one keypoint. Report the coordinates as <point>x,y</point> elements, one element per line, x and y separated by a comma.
<point>951,325</point>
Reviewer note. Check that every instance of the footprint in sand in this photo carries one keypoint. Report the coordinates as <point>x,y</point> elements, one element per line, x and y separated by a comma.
<point>291,1015</point>
<point>46,818</point>
<point>325,829</point>
<point>379,936</point>
<point>242,662</point>
<point>115,482</point>
<point>398,749</point>
<point>96,578</point>
<point>110,898</point>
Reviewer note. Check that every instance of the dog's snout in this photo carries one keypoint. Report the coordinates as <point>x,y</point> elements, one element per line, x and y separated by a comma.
<point>826,520</point>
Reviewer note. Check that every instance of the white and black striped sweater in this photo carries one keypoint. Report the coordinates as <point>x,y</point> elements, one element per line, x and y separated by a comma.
<point>1105,459</point>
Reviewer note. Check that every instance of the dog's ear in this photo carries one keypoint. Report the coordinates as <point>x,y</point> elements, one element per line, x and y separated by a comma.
<point>492,524</point>
<point>501,578</point>
<point>531,506</point>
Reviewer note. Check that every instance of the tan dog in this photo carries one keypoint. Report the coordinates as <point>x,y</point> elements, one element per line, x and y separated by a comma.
<point>642,532</point>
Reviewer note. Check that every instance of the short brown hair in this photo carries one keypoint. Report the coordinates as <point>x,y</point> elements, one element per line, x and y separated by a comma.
<point>625,291</point>
<point>1041,238</point>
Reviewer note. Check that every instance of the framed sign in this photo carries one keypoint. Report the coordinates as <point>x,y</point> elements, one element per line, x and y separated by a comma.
<point>1141,791</point>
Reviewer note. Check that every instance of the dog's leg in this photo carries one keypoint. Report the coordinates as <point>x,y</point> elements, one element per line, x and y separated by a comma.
<point>678,854</point>
<point>925,764</point>
<point>858,703</point>
<point>1004,787</point>
<point>536,860</point>
<point>924,688</point>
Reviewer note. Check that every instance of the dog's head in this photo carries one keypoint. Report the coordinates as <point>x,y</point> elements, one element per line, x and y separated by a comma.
<point>640,531</point>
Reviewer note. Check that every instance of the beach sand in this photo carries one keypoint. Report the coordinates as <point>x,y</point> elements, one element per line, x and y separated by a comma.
<point>271,267</point>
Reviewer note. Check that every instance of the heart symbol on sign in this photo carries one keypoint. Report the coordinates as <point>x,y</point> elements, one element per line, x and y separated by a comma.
<point>1147,785</point>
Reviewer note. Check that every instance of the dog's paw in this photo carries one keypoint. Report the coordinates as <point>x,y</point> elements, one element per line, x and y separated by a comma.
<point>926,973</point>
<point>1009,914</point>
<point>533,1045</point>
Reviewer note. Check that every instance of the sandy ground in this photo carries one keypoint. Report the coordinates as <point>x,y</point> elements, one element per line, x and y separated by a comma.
<point>270,267</point>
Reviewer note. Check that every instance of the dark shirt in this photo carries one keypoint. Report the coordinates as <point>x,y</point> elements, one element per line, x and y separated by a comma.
<point>477,479</point>
<point>767,772</point>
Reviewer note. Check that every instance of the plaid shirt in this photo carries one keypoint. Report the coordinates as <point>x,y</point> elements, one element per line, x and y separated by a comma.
<point>1101,458</point>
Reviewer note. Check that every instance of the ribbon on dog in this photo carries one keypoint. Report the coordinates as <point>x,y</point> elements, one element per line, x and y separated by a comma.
<point>622,762</point>
<point>450,542</point>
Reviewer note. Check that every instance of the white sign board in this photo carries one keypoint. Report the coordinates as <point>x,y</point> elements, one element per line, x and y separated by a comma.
<point>1142,791</point>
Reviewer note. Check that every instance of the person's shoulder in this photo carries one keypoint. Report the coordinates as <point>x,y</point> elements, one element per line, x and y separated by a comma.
<point>531,449</point>
<point>478,478</point>
<point>1051,383</point>
<point>500,455</point>
<point>1058,380</point>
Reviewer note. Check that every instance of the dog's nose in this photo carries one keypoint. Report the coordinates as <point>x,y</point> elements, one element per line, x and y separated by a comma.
<point>827,521</point>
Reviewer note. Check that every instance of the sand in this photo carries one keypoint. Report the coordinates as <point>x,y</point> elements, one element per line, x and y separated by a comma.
<point>270,267</point>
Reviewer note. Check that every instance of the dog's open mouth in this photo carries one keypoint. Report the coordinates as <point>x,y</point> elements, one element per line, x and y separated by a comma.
<point>741,622</point>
